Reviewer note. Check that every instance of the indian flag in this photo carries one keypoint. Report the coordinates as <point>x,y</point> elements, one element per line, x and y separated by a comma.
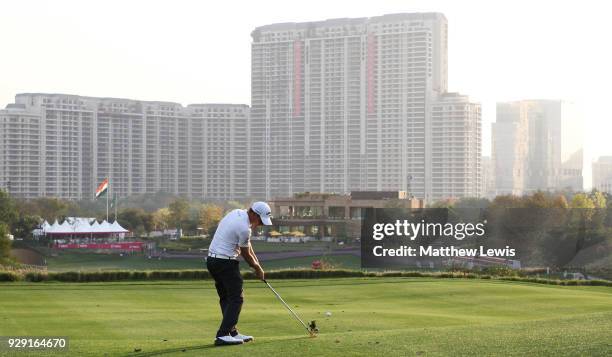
<point>102,188</point>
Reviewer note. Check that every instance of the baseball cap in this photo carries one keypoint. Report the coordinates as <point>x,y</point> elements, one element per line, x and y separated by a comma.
<point>264,212</point>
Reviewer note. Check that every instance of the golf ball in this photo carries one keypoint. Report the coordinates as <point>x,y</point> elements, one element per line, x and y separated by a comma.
<point>328,314</point>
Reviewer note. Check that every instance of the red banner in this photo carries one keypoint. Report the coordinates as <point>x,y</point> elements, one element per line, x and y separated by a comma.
<point>120,246</point>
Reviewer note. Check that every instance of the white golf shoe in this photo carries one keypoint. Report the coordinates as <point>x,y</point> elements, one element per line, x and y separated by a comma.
<point>242,337</point>
<point>228,341</point>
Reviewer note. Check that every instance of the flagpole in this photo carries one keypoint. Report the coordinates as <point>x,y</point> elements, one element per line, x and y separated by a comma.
<point>107,194</point>
<point>115,204</point>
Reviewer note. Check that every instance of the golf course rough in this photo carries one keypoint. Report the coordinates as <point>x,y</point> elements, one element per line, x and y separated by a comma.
<point>370,316</point>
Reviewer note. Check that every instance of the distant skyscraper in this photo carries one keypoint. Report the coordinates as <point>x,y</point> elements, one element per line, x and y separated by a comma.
<point>346,104</point>
<point>602,174</point>
<point>488,179</point>
<point>537,145</point>
<point>64,145</point>
<point>510,149</point>
<point>455,148</point>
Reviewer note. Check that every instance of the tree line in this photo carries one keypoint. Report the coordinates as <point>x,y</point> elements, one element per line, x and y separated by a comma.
<point>140,214</point>
<point>559,230</point>
<point>145,213</point>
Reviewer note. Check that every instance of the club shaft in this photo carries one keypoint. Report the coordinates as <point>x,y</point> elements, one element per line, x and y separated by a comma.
<point>287,306</point>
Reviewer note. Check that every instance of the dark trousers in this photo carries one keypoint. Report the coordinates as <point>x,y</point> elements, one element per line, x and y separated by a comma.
<point>228,282</point>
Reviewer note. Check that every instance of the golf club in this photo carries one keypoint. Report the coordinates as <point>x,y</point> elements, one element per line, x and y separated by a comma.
<point>312,329</point>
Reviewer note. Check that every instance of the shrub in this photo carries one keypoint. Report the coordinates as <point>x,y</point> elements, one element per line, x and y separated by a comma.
<point>164,275</point>
<point>500,270</point>
<point>35,276</point>
<point>414,274</point>
<point>69,276</point>
<point>139,275</point>
<point>194,274</point>
<point>125,275</point>
<point>8,276</point>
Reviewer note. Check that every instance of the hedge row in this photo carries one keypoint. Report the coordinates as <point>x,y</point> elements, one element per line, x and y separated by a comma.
<point>9,276</point>
<point>98,276</point>
<point>593,282</point>
<point>125,275</point>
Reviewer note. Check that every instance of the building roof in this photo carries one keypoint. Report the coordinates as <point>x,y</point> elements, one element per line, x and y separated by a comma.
<point>348,21</point>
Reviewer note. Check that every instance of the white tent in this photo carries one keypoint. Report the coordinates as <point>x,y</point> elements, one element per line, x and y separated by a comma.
<point>81,226</point>
<point>77,225</point>
<point>64,228</point>
<point>74,220</point>
<point>116,228</point>
<point>53,228</point>
<point>105,227</point>
<point>45,226</point>
<point>98,228</point>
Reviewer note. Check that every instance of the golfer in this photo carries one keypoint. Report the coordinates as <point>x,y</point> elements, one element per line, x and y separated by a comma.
<point>231,239</point>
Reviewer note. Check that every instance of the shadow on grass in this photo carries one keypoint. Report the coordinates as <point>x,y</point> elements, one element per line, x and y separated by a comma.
<point>202,347</point>
<point>171,350</point>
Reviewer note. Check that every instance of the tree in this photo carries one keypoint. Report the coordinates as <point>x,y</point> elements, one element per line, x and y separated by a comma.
<point>537,200</point>
<point>8,213</point>
<point>608,221</point>
<point>179,211</point>
<point>598,198</point>
<point>148,222</point>
<point>581,200</point>
<point>210,215</point>
<point>49,208</point>
<point>560,202</point>
<point>472,202</point>
<point>24,226</point>
<point>445,203</point>
<point>5,243</point>
<point>600,211</point>
<point>160,219</point>
<point>132,219</point>
<point>507,201</point>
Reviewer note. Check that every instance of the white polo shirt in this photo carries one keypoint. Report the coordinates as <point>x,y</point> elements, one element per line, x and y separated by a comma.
<point>234,231</point>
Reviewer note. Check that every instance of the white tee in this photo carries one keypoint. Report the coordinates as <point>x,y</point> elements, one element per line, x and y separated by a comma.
<point>234,231</point>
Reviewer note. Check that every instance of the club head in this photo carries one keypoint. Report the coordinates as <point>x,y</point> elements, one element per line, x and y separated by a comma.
<point>312,328</point>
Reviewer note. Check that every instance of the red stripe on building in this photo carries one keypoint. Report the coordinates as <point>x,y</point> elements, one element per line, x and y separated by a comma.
<point>297,78</point>
<point>371,73</point>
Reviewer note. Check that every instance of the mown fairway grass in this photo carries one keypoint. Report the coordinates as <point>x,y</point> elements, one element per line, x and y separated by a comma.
<point>374,316</point>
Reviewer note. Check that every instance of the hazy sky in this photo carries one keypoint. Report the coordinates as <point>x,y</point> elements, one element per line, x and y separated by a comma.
<point>199,51</point>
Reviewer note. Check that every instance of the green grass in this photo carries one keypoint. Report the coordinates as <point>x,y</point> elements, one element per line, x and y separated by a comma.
<point>338,261</point>
<point>93,262</point>
<point>259,246</point>
<point>383,316</point>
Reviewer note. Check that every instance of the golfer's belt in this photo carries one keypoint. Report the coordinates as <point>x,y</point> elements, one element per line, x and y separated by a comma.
<point>221,256</point>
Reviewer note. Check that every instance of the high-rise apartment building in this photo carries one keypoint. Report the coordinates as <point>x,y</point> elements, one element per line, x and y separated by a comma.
<point>488,179</point>
<point>537,145</point>
<point>510,149</point>
<point>455,148</point>
<point>346,104</point>
<point>336,106</point>
<point>64,145</point>
<point>602,174</point>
